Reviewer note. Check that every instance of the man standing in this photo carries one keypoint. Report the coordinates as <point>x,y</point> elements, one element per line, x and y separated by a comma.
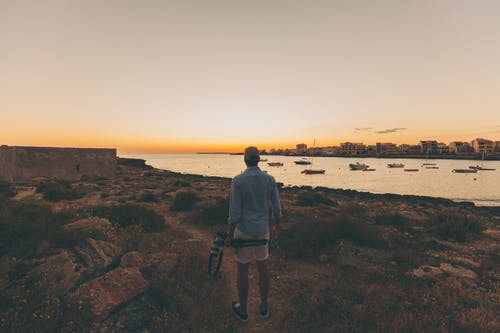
<point>251,193</point>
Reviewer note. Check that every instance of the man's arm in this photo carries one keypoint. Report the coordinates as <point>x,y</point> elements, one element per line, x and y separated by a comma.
<point>275,202</point>
<point>234,210</point>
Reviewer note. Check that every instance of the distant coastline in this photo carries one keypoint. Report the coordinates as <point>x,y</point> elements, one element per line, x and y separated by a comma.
<point>471,157</point>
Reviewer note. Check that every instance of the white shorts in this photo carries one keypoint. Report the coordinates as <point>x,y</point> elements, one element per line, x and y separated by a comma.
<point>246,254</point>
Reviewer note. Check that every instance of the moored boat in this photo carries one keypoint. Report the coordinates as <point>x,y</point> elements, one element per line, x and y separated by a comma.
<point>313,171</point>
<point>358,166</point>
<point>395,165</point>
<point>275,163</point>
<point>302,162</point>
<point>411,170</point>
<point>480,168</point>
<point>485,169</point>
<point>464,170</point>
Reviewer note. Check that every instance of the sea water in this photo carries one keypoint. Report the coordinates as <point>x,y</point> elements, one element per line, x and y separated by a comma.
<point>482,188</point>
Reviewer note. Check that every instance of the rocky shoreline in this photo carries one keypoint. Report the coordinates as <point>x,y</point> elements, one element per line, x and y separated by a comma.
<point>128,254</point>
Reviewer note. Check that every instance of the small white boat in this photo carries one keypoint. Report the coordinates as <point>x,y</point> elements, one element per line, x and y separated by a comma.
<point>358,166</point>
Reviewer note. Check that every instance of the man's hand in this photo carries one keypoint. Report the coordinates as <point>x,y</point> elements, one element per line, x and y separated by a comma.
<point>229,239</point>
<point>275,232</point>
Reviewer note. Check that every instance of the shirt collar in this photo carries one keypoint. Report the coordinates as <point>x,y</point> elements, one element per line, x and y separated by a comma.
<point>253,168</point>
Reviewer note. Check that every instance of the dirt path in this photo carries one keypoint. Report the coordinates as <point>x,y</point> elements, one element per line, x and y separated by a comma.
<point>228,271</point>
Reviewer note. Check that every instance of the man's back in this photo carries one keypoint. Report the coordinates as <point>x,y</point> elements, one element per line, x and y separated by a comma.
<point>250,195</point>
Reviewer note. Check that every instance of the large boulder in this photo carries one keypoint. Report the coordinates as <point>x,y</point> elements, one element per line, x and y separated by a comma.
<point>105,293</point>
<point>132,259</point>
<point>96,255</point>
<point>56,274</point>
<point>97,224</point>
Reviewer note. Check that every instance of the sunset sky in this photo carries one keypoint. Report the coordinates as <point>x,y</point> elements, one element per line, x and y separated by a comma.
<point>184,76</point>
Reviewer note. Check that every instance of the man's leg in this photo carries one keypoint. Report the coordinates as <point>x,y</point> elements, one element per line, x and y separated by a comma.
<point>263,282</point>
<point>242,284</point>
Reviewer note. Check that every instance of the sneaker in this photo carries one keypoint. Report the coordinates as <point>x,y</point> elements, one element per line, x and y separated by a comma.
<point>236,310</point>
<point>264,313</point>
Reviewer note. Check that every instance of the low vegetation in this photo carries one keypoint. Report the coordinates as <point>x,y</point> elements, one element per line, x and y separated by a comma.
<point>307,241</point>
<point>188,299</point>
<point>26,224</point>
<point>389,218</point>
<point>310,198</point>
<point>215,214</point>
<point>343,262</point>
<point>6,189</point>
<point>57,190</point>
<point>184,201</point>
<point>131,215</point>
<point>457,227</point>
<point>147,197</point>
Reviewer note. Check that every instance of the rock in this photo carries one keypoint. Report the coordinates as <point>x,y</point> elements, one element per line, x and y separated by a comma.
<point>105,293</point>
<point>97,254</point>
<point>55,274</point>
<point>92,223</point>
<point>132,259</point>
<point>432,272</point>
<point>458,271</point>
<point>426,272</point>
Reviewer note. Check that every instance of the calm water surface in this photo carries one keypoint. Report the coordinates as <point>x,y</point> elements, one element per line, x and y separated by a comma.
<point>482,188</point>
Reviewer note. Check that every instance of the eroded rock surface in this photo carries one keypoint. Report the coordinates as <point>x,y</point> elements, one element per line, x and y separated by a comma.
<point>445,269</point>
<point>55,274</point>
<point>132,259</point>
<point>96,255</point>
<point>91,223</point>
<point>108,291</point>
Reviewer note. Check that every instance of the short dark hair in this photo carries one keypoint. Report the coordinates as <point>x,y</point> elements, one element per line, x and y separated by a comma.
<point>251,162</point>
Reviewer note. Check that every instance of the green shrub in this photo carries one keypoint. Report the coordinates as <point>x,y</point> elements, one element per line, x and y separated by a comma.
<point>314,199</point>
<point>127,215</point>
<point>456,227</point>
<point>308,240</point>
<point>184,201</point>
<point>57,190</point>
<point>6,189</point>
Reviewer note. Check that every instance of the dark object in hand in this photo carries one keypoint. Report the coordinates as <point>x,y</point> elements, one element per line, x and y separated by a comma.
<point>217,253</point>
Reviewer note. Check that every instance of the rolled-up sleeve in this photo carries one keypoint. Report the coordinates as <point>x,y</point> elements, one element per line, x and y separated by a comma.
<point>275,201</point>
<point>234,204</point>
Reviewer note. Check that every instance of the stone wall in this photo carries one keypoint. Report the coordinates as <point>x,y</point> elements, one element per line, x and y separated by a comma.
<point>23,163</point>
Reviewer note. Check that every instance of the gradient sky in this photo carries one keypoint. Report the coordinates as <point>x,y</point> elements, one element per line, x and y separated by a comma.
<point>159,76</point>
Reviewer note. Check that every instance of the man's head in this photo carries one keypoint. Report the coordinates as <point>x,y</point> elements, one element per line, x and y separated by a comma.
<point>252,156</point>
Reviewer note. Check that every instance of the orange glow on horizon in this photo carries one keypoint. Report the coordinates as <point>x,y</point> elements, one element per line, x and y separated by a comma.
<point>142,146</point>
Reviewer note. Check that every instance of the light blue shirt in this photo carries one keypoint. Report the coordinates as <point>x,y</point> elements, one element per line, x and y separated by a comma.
<point>251,193</point>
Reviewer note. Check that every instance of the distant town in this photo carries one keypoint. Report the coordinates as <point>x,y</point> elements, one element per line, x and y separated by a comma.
<point>478,148</point>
